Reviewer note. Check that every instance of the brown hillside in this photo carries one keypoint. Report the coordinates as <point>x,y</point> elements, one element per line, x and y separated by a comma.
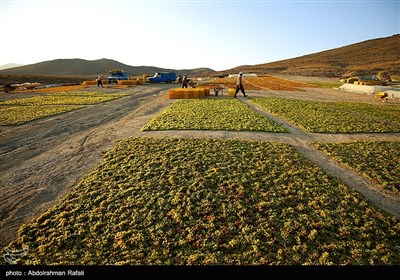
<point>364,58</point>
<point>89,68</point>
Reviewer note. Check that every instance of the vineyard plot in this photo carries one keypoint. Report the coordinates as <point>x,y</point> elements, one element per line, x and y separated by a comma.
<point>209,201</point>
<point>19,111</point>
<point>378,160</point>
<point>334,117</point>
<point>212,114</point>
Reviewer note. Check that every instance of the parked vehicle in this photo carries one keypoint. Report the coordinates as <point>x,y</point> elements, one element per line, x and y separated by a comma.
<point>116,75</point>
<point>162,77</point>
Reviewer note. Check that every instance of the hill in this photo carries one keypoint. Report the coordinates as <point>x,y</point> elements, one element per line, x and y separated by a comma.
<point>364,58</point>
<point>359,59</point>
<point>89,68</point>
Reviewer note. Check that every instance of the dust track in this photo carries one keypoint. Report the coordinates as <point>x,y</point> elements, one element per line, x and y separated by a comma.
<point>42,160</point>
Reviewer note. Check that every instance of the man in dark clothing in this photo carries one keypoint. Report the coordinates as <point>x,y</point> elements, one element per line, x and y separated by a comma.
<point>185,81</point>
<point>99,81</point>
<point>239,85</point>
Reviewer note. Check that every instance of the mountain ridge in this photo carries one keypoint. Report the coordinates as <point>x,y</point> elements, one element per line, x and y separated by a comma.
<point>88,68</point>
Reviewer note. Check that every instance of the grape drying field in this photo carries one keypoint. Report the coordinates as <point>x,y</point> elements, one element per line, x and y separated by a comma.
<point>278,179</point>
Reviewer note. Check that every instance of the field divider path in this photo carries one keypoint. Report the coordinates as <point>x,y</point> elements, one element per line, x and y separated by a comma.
<point>41,160</point>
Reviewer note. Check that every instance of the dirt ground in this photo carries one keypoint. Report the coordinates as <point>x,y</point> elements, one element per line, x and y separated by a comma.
<point>41,160</point>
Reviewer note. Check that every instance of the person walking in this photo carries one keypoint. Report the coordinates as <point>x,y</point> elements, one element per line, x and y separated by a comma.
<point>99,81</point>
<point>185,81</point>
<point>239,85</point>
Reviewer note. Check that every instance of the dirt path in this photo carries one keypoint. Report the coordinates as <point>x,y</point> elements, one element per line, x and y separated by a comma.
<point>43,159</point>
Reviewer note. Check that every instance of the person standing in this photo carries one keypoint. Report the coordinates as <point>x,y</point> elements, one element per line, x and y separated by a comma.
<point>99,81</point>
<point>239,85</point>
<point>185,81</point>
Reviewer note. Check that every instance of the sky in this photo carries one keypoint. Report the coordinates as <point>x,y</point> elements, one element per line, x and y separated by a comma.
<point>187,34</point>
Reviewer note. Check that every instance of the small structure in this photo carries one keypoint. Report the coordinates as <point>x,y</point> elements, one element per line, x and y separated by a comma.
<point>391,92</point>
<point>244,75</point>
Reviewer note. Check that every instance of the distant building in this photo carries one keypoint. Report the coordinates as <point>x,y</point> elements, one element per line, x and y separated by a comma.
<point>244,75</point>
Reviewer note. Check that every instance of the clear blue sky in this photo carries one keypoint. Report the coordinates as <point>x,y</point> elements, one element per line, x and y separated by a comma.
<point>187,34</point>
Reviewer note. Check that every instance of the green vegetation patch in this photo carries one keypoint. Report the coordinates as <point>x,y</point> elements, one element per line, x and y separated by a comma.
<point>64,98</point>
<point>88,93</point>
<point>209,201</point>
<point>12,115</point>
<point>19,111</point>
<point>379,161</point>
<point>334,117</point>
<point>212,114</point>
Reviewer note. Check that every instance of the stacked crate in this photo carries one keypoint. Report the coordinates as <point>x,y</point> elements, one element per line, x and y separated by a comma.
<point>130,82</point>
<point>88,83</point>
<point>186,93</point>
